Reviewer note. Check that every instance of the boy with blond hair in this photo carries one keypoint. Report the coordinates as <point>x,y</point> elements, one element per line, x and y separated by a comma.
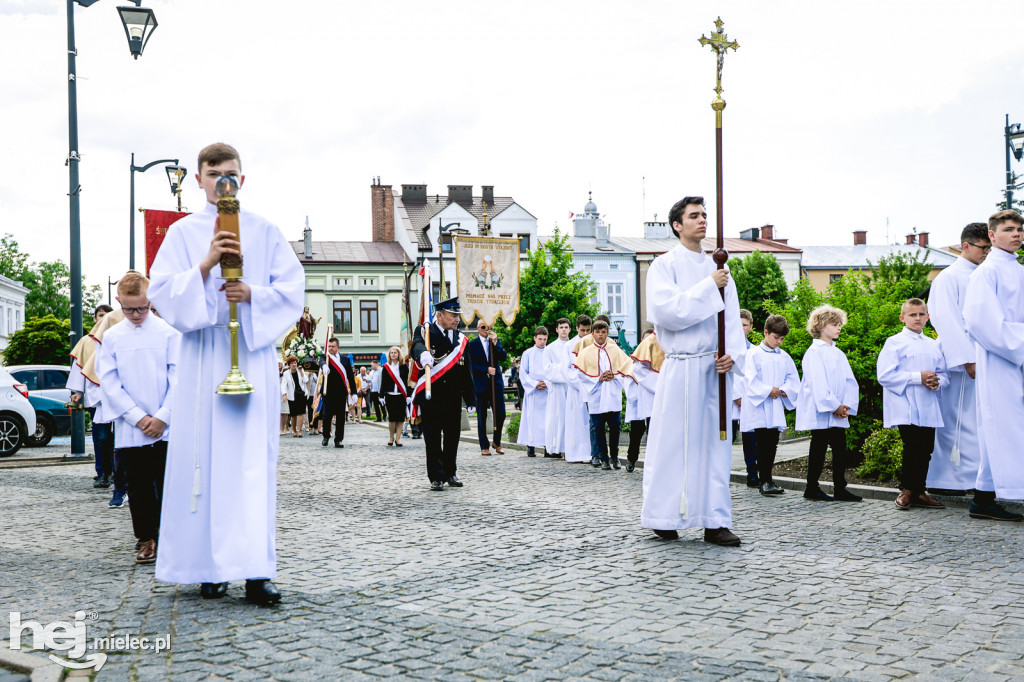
<point>738,389</point>
<point>911,370</point>
<point>137,362</point>
<point>829,395</point>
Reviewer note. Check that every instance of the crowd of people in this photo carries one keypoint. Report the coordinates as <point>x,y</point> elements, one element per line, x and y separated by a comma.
<point>200,468</point>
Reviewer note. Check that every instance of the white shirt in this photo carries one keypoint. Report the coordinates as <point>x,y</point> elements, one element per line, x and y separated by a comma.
<point>905,399</point>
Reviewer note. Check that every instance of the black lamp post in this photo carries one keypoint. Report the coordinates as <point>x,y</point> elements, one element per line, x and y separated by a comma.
<point>131,209</point>
<point>1014,146</point>
<point>139,24</point>
<point>75,223</point>
<point>176,176</point>
<point>444,237</point>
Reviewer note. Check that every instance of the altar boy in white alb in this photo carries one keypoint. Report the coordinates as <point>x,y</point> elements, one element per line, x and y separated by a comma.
<point>220,501</point>
<point>686,469</point>
<point>577,416</point>
<point>605,368</point>
<point>556,371</point>
<point>994,312</point>
<point>535,396</point>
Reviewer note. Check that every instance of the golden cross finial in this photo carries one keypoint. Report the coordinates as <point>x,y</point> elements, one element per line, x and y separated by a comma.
<point>719,42</point>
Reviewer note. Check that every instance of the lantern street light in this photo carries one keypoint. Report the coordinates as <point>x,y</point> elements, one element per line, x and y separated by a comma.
<point>74,189</point>
<point>176,176</point>
<point>131,209</point>
<point>444,238</point>
<point>1014,146</point>
<point>139,24</point>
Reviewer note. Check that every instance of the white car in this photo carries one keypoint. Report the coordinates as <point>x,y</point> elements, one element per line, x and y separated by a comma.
<point>17,416</point>
<point>48,381</point>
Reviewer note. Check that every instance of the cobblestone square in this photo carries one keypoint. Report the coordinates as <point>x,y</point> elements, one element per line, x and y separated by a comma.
<point>536,570</point>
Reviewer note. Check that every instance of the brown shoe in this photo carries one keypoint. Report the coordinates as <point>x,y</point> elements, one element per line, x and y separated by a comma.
<point>147,552</point>
<point>924,501</point>
<point>498,448</point>
<point>903,499</point>
<point>485,452</point>
<point>722,537</point>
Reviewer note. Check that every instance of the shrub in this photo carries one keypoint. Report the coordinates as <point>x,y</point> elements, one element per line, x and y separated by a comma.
<point>883,454</point>
<point>512,428</point>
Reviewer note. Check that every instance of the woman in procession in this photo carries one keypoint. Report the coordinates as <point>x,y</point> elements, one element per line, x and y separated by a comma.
<point>394,394</point>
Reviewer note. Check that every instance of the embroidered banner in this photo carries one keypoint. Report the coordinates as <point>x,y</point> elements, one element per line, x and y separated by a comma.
<point>487,273</point>
<point>157,223</point>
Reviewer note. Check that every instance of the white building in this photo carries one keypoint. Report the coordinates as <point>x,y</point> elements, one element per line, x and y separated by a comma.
<point>12,308</point>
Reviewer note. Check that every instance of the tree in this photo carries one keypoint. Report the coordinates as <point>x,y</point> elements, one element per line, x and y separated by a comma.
<point>758,280</point>
<point>42,341</point>
<point>49,286</point>
<point>13,262</point>
<point>548,290</point>
<point>902,274</point>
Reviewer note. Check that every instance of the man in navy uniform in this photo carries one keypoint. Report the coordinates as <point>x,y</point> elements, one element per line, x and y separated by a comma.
<point>485,354</point>
<point>338,384</point>
<point>450,379</point>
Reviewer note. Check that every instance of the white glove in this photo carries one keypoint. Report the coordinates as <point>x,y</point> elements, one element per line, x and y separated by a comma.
<point>470,411</point>
<point>381,400</point>
<point>408,401</point>
<point>426,359</point>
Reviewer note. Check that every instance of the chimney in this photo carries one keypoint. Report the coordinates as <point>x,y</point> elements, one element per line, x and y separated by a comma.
<point>922,239</point>
<point>488,194</point>
<point>460,194</point>
<point>750,234</point>
<point>603,232</point>
<point>656,230</point>
<point>768,232</point>
<point>911,238</point>
<point>307,240</point>
<point>382,212</point>
<point>860,237</point>
<point>414,194</point>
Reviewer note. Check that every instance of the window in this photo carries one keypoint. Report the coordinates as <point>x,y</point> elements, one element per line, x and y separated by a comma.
<point>614,298</point>
<point>343,317</point>
<point>588,266</point>
<point>613,266</point>
<point>507,235</point>
<point>595,294</point>
<point>834,278</point>
<point>54,378</point>
<point>29,377</point>
<point>437,291</point>
<point>524,243</point>
<point>368,317</point>
<point>369,283</point>
<point>342,282</point>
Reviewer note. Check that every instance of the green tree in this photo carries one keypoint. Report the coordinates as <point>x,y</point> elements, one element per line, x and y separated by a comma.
<point>49,286</point>
<point>902,274</point>
<point>548,290</point>
<point>759,280</point>
<point>42,341</point>
<point>13,262</point>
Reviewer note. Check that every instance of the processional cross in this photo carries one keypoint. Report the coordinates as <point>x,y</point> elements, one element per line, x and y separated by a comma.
<point>719,42</point>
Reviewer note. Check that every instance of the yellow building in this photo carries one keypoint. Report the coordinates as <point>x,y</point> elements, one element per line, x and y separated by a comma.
<point>822,265</point>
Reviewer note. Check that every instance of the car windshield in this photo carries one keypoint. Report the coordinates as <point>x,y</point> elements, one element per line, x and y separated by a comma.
<point>29,377</point>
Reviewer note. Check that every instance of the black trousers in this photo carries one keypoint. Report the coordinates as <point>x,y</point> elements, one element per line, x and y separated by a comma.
<point>144,466</point>
<point>483,401</point>
<point>767,447</point>
<point>442,425</point>
<point>637,427</point>
<point>337,409</point>
<point>918,443</point>
<point>821,441</point>
<point>374,399</point>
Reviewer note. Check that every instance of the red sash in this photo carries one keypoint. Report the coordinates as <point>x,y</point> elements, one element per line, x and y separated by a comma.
<point>398,382</point>
<point>441,368</point>
<point>342,372</point>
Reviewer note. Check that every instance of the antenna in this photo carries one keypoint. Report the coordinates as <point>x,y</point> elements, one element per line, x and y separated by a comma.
<point>643,184</point>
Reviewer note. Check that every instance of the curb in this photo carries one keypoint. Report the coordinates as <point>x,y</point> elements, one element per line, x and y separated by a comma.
<point>39,669</point>
<point>42,462</point>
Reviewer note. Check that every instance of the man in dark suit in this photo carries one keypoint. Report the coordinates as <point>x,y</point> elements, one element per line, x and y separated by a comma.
<point>451,380</point>
<point>338,384</point>
<point>485,355</point>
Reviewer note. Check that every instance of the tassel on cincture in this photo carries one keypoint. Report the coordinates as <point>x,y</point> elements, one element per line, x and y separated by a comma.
<point>955,456</point>
<point>196,486</point>
<point>683,506</point>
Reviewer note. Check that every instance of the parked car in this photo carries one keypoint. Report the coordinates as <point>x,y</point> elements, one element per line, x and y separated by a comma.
<point>52,419</point>
<point>17,416</point>
<point>49,381</point>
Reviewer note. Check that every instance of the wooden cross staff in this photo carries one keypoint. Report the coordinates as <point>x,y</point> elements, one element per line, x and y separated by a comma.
<point>719,42</point>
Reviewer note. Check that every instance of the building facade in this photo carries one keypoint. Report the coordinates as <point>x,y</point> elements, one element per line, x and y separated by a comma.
<point>822,265</point>
<point>12,308</point>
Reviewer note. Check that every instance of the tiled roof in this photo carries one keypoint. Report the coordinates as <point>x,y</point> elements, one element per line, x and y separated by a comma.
<point>421,214</point>
<point>591,246</point>
<point>732,245</point>
<point>387,253</point>
<point>858,255</point>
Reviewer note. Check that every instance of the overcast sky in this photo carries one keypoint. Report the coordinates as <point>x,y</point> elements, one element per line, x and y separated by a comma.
<point>840,116</point>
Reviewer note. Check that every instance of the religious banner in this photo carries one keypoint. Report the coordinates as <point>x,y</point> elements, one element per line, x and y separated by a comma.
<point>487,274</point>
<point>157,223</point>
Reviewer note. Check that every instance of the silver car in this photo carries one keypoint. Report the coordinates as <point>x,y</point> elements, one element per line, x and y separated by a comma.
<point>48,381</point>
<point>17,416</point>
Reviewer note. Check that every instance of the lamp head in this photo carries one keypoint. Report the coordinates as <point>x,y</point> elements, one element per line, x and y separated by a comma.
<point>227,185</point>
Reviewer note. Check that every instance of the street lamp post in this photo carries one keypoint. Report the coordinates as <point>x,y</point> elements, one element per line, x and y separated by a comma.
<point>443,237</point>
<point>176,176</point>
<point>1015,147</point>
<point>74,188</point>
<point>131,209</point>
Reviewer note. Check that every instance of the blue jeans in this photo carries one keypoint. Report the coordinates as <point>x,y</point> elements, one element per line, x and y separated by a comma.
<point>595,448</point>
<point>597,424</point>
<point>107,460</point>
<point>749,451</point>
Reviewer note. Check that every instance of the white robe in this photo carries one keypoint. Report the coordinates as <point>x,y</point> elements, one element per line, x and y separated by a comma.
<point>994,312</point>
<point>558,389</point>
<point>739,387</point>
<point>577,416</point>
<point>958,403</point>
<point>531,423</point>
<point>220,486</point>
<point>640,393</point>
<point>767,369</point>
<point>905,400</point>
<point>686,470</point>
<point>828,383</point>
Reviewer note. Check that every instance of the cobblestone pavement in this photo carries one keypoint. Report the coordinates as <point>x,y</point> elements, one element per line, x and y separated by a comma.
<point>536,570</point>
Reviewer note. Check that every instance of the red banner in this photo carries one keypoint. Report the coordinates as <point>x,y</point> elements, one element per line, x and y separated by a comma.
<point>157,223</point>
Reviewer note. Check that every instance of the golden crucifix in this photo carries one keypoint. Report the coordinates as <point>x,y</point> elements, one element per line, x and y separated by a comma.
<point>719,42</point>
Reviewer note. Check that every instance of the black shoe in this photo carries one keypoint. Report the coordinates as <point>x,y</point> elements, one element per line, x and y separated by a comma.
<point>595,462</point>
<point>630,466</point>
<point>549,455</point>
<point>947,492</point>
<point>607,466</point>
<point>437,485</point>
<point>262,591</point>
<point>771,489</point>
<point>615,463</point>
<point>390,444</point>
<point>213,590</point>
<point>454,482</point>
<point>818,495</point>
<point>103,482</point>
<point>993,512</point>
<point>531,452</point>
<point>325,441</point>
<point>339,445</point>
<point>753,483</point>
<point>844,495</point>
<point>666,534</point>
<point>723,537</point>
